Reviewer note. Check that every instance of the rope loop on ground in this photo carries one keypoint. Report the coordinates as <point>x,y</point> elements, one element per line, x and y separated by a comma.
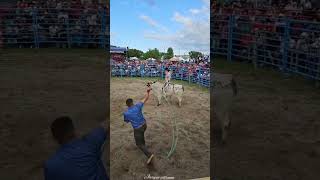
<point>174,136</point>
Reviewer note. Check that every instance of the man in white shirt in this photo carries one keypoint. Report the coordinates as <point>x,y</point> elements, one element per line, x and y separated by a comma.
<point>167,77</point>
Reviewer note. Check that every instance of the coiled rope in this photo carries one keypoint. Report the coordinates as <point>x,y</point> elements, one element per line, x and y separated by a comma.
<point>174,137</point>
<point>174,134</point>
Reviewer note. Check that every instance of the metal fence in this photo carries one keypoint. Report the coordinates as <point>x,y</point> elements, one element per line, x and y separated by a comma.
<point>37,27</point>
<point>292,46</point>
<point>200,76</point>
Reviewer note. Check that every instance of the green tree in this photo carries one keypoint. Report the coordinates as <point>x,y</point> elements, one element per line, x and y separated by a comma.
<point>152,53</point>
<point>169,53</point>
<point>135,53</point>
<point>195,54</point>
<point>162,54</point>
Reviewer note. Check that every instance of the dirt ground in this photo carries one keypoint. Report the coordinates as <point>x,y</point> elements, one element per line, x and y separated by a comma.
<point>275,131</point>
<point>36,87</point>
<point>192,156</point>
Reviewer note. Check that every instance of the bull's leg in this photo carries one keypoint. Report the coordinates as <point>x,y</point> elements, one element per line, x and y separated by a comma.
<point>170,99</point>
<point>180,100</point>
<point>228,121</point>
<point>165,97</point>
<point>229,125</point>
<point>225,128</point>
<point>159,100</point>
<point>224,135</point>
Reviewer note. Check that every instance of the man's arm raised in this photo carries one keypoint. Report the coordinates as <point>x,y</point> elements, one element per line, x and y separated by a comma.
<point>146,97</point>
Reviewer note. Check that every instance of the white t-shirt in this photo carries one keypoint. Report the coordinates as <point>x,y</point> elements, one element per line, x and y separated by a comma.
<point>168,76</point>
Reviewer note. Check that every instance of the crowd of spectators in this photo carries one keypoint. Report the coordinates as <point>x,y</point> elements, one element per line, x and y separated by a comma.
<point>189,71</point>
<point>268,30</point>
<point>54,23</point>
<point>297,9</point>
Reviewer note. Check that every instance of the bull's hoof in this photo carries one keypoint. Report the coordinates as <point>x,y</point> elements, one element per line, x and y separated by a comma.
<point>158,104</point>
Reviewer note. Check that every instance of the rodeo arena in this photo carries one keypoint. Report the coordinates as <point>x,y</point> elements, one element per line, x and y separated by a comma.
<point>177,116</point>
<point>270,51</point>
<point>53,63</point>
<point>195,71</point>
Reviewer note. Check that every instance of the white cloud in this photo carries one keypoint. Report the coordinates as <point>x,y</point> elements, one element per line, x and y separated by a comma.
<point>206,2</point>
<point>113,34</point>
<point>148,20</point>
<point>153,23</point>
<point>182,19</point>
<point>157,36</point>
<point>194,11</point>
<point>194,33</point>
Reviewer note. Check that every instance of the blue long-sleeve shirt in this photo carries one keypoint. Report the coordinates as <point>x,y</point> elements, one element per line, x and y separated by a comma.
<point>134,115</point>
<point>79,159</point>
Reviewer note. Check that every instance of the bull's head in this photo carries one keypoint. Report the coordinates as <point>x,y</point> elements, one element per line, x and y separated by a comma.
<point>150,83</point>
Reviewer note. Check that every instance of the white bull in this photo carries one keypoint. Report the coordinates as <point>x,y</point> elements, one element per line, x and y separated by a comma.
<point>167,92</point>
<point>225,88</point>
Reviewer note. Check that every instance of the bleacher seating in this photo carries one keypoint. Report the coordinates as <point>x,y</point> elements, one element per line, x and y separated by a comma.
<point>190,72</point>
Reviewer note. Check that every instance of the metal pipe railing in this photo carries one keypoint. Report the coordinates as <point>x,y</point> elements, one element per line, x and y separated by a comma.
<point>46,27</point>
<point>270,42</point>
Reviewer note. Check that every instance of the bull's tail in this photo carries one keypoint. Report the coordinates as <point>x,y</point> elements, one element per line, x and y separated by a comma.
<point>234,86</point>
<point>183,88</point>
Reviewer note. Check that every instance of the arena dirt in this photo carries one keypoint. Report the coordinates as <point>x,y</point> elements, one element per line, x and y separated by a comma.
<point>192,156</point>
<point>36,87</point>
<point>275,131</point>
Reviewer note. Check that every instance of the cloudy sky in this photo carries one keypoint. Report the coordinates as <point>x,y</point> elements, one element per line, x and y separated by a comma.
<point>144,24</point>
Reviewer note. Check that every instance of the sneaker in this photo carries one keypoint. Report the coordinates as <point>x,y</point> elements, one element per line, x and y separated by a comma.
<point>150,159</point>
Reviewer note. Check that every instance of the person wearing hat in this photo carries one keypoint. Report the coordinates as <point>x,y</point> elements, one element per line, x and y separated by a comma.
<point>167,77</point>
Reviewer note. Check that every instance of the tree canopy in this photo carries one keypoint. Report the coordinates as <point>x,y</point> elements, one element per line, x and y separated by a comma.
<point>135,53</point>
<point>169,53</point>
<point>195,54</point>
<point>152,53</point>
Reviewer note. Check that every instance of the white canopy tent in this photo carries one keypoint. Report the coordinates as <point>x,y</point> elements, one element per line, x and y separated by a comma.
<point>133,58</point>
<point>151,59</point>
<point>174,59</point>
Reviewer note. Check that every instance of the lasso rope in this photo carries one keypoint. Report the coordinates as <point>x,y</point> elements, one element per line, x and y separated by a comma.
<point>174,133</point>
<point>174,136</point>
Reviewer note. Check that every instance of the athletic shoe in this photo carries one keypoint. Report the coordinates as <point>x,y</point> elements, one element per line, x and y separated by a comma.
<point>150,159</point>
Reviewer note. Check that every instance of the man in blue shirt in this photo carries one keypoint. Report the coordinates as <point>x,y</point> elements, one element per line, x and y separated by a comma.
<point>77,158</point>
<point>135,116</point>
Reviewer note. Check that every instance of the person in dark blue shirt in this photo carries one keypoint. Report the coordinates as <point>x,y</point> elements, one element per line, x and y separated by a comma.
<point>77,158</point>
<point>135,116</point>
